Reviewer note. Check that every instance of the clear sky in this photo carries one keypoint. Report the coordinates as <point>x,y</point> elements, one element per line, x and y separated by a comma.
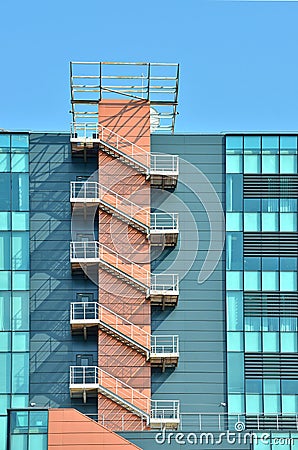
<point>239,63</point>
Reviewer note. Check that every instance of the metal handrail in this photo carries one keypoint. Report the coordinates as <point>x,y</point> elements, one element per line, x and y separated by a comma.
<point>161,344</point>
<point>165,409</point>
<point>164,221</point>
<point>164,282</point>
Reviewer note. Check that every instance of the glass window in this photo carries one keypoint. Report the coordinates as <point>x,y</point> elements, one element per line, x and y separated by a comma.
<point>19,162</point>
<point>38,441</point>
<point>288,323</point>
<point>271,386</point>
<point>19,421</point>
<point>252,164</point>
<point>234,251</point>
<point>288,163</point>
<point>235,341</point>
<point>270,164</point>
<point>20,281</point>
<point>270,144</point>
<point>270,341</point>
<point>252,281</point>
<point>38,422</point>
<point>288,221</point>
<point>234,189</point>
<point>20,311</point>
<point>4,250</point>
<point>4,405</point>
<point>20,250</point>
<point>233,221</point>
<point>20,140</point>
<point>3,433</point>
<point>270,205</point>
<point>20,373</point>
<point>234,163</point>
<point>235,373</point>
<point>271,404</point>
<point>270,323</point>
<point>270,281</point>
<point>4,311</point>
<point>252,143</point>
<point>5,373</point>
<point>234,281</point>
<point>253,386</point>
<point>269,221</point>
<point>235,310</point>
<point>289,386</point>
<point>19,401</point>
<point>288,143</point>
<point>288,281</point>
<point>4,221</point>
<point>20,221</point>
<point>253,403</point>
<point>234,143</point>
<point>252,323</point>
<point>269,263</point>
<point>252,341</point>
<point>252,205</point>
<point>4,140</point>
<point>20,192</point>
<point>18,441</point>
<point>20,341</point>
<point>289,404</point>
<point>236,403</point>
<point>5,281</point>
<point>288,205</point>
<point>4,162</point>
<point>251,263</point>
<point>5,191</point>
<point>288,342</point>
<point>252,222</point>
<point>5,345</point>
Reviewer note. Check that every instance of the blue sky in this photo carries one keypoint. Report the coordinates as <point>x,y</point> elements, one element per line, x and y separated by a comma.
<point>239,64</point>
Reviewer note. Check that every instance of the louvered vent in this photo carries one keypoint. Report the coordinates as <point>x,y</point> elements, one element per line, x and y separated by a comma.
<point>271,304</point>
<point>270,186</point>
<point>271,422</point>
<point>271,365</point>
<point>270,244</point>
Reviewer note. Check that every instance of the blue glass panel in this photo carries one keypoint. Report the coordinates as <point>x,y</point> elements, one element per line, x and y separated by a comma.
<point>20,341</point>
<point>20,281</point>
<point>252,143</point>
<point>270,143</point>
<point>20,140</point>
<point>254,404</point>
<point>288,142</point>
<point>234,281</point>
<point>38,441</point>
<point>20,311</point>
<point>234,142</point>
<point>5,192</point>
<point>5,373</point>
<point>253,386</point>
<point>288,323</point>
<point>5,281</point>
<point>270,281</point>
<point>252,205</point>
<point>20,221</point>
<point>270,163</point>
<point>270,342</point>
<point>288,281</point>
<point>18,442</point>
<point>234,163</point>
<point>270,205</point>
<point>271,386</point>
<point>270,264</point>
<point>4,140</point>
<point>252,221</point>
<point>251,263</point>
<point>235,341</point>
<point>235,373</point>
<point>252,281</point>
<point>4,162</point>
<point>288,221</point>
<point>271,404</point>
<point>4,311</point>
<point>3,433</point>
<point>234,189</point>
<point>252,341</point>
<point>236,403</point>
<point>20,192</point>
<point>20,250</point>
<point>234,251</point>
<point>4,221</point>
<point>5,341</point>
<point>235,310</point>
<point>288,205</point>
<point>38,421</point>
<point>252,323</point>
<point>269,221</point>
<point>270,323</point>
<point>233,221</point>
<point>5,250</point>
<point>289,386</point>
<point>289,405</point>
<point>20,373</point>
<point>288,163</point>
<point>19,162</point>
<point>252,164</point>
<point>19,422</point>
<point>4,404</point>
<point>19,401</point>
<point>288,342</point>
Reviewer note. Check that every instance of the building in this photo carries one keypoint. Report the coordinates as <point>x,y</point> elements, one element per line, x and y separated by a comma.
<point>130,316</point>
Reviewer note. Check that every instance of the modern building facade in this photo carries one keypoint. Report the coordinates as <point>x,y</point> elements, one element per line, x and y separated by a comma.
<point>131,315</point>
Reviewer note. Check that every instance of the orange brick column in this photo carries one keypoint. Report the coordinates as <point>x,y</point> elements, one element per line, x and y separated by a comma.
<point>131,120</point>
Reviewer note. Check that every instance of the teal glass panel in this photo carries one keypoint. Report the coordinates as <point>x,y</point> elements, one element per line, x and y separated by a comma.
<point>252,205</point>
<point>270,264</point>
<point>288,205</point>
<point>4,404</point>
<point>234,143</point>
<point>20,341</point>
<point>235,341</point>
<point>288,342</point>
<point>18,442</point>
<point>234,189</point>
<point>288,323</point>
<point>20,192</point>
<point>271,386</point>
<point>289,386</point>
<point>4,221</point>
<point>270,281</point>
<point>252,143</point>
<point>4,162</point>
<point>5,250</point>
<point>270,205</point>
<point>271,404</point>
<point>270,323</point>
<point>269,221</point>
<point>19,422</point>
<point>288,222</point>
<point>5,359</point>
<point>5,341</point>
<point>270,341</point>
<point>5,192</point>
<point>234,281</point>
<point>236,403</point>
<point>270,144</point>
<point>288,163</point>
<point>5,281</point>
<point>270,163</point>
<point>4,140</point>
<point>20,311</point>
<point>235,311</point>
<point>234,250</point>
<point>19,162</point>
<point>20,373</point>
<point>252,263</point>
<point>38,422</point>
<point>261,444</point>
<point>288,143</point>
<point>20,281</point>
<point>252,221</point>
<point>38,441</point>
<point>253,404</point>
<point>252,323</point>
<point>252,164</point>
<point>3,434</point>
<point>233,163</point>
<point>288,281</point>
<point>280,440</point>
<point>19,401</point>
<point>20,221</point>
<point>235,373</point>
<point>252,341</point>
<point>20,140</point>
<point>252,281</point>
<point>253,386</point>
<point>233,221</point>
<point>4,311</point>
<point>20,250</point>
<point>289,404</point>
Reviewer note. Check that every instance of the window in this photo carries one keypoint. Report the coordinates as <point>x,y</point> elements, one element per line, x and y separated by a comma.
<point>85,297</point>
<point>252,281</point>
<point>252,143</point>
<point>270,144</point>
<point>234,143</point>
<point>271,386</point>
<point>234,281</point>
<point>288,221</point>
<point>234,245</point>
<point>234,187</point>
<point>84,360</point>
<point>271,404</point>
<point>236,377</point>
<point>269,221</point>
<point>252,341</point>
<point>288,163</point>
<point>252,221</point>
<point>253,386</point>
<point>20,141</point>
<point>270,281</point>
<point>252,205</point>
<point>235,310</point>
<point>233,221</point>
<point>252,164</point>
<point>288,143</point>
<point>253,403</point>
<point>270,164</point>
<point>270,342</point>
<point>4,162</point>
<point>288,281</point>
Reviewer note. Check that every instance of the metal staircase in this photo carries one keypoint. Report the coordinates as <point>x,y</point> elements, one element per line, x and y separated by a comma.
<point>91,380</point>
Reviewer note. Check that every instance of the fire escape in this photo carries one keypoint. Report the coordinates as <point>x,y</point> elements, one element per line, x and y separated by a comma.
<point>161,229</point>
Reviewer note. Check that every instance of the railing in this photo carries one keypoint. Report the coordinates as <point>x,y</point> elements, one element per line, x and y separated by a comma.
<point>164,282</point>
<point>165,409</point>
<point>96,250</point>
<point>94,311</point>
<point>157,163</point>
<point>164,221</point>
<point>79,375</point>
<point>165,344</point>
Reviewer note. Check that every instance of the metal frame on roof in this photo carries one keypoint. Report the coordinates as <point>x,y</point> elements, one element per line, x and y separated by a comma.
<point>90,82</point>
